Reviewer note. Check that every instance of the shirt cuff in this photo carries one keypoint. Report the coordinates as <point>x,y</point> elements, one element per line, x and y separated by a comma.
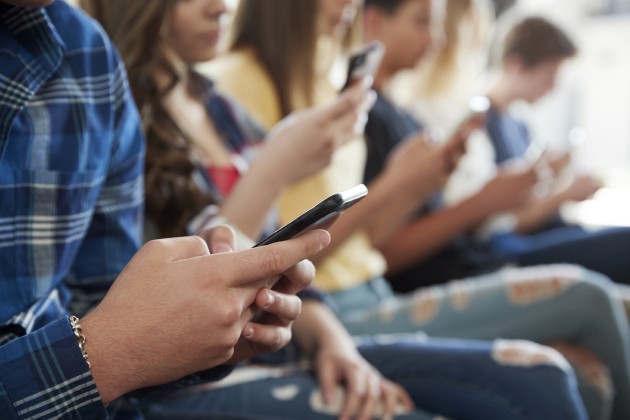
<point>44,375</point>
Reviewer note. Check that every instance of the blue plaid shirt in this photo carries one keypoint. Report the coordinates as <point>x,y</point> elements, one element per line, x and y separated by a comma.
<point>71,193</point>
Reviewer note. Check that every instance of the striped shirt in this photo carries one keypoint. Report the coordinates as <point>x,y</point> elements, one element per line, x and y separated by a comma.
<point>71,194</point>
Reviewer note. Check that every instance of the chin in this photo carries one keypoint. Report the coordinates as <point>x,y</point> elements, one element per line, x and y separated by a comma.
<point>202,58</point>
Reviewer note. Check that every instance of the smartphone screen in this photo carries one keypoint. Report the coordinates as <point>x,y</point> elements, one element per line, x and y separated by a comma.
<point>317,216</point>
<point>364,63</point>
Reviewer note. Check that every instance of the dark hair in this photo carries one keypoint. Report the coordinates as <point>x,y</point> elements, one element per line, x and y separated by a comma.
<point>140,29</point>
<point>388,6</point>
<point>283,35</point>
<point>535,40</point>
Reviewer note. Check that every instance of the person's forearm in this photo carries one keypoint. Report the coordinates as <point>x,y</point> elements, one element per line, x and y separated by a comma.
<point>397,206</point>
<point>249,203</point>
<point>539,212</point>
<point>384,209</point>
<point>423,237</point>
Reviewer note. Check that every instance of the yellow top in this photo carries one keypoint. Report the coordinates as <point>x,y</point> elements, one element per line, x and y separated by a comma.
<point>242,76</point>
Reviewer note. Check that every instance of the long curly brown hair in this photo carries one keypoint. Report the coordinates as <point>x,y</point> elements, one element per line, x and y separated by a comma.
<point>139,29</point>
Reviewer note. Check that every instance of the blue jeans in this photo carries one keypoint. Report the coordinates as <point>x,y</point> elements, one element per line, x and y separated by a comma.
<point>459,379</point>
<point>606,251</point>
<point>542,304</point>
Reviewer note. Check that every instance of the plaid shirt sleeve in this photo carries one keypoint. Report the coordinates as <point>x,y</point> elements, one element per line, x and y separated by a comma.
<point>114,234</point>
<point>71,154</point>
<point>43,376</point>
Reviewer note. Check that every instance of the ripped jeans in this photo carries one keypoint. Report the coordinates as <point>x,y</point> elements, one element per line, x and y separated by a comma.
<point>543,304</point>
<point>460,379</point>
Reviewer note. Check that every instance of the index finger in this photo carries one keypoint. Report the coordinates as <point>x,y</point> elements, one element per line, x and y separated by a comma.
<point>255,264</point>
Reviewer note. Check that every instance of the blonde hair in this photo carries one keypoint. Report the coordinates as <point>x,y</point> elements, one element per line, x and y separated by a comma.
<point>440,71</point>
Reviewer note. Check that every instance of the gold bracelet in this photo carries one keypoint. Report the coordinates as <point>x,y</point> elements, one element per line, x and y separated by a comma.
<point>81,340</point>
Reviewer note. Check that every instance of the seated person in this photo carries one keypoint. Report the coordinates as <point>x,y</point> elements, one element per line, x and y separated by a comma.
<point>532,54</point>
<point>351,268</point>
<point>230,174</point>
<point>71,162</point>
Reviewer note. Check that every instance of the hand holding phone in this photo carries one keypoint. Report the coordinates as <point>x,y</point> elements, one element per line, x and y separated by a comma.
<point>364,63</point>
<point>320,216</point>
<point>478,107</point>
<point>456,144</point>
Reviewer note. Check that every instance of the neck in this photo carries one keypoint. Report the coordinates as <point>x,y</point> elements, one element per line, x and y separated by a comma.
<point>501,94</point>
<point>383,76</point>
<point>164,79</point>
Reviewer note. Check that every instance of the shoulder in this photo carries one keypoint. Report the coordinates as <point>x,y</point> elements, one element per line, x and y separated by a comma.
<point>240,70</point>
<point>241,75</point>
<point>389,123</point>
<point>82,36</point>
<point>252,130</point>
<point>235,65</point>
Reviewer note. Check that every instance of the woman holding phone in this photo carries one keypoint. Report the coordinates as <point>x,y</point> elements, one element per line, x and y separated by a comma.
<point>507,303</point>
<point>193,175</point>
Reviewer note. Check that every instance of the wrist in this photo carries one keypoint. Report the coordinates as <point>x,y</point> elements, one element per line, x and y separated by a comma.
<point>478,208</point>
<point>389,185</point>
<point>270,173</point>
<point>107,365</point>
<point>81,339</point>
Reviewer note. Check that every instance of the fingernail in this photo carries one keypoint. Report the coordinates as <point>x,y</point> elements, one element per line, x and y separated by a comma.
<point>222,248</point>
<point>368,81</point>
<point>271,298</point>
<point>327,396</point>
<point>371,99</point>
<point>248,332</point>
<point>324,238</point>
<point>359,126</point>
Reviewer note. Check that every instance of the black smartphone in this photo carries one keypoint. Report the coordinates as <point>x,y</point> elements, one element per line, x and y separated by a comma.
<point>364,63</point>
<point>318,216</point>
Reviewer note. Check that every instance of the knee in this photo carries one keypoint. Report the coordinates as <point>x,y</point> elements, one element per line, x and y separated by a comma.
<point>589,368</point>
<point>599,290</point>
<point>532,284</point>
<point>544,376</point>
<point>523,353</point>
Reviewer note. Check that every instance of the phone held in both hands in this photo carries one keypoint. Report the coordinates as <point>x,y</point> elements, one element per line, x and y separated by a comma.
<point>364,63</point>
<point>318,216</point>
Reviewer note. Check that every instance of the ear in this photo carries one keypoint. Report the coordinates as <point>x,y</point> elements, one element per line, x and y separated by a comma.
<point>373,19</point>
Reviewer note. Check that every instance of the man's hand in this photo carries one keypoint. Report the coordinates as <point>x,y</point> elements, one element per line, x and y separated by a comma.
<point>582,188</point>
<point>176,309</point>
<point>456,146</point>
<point>508,190</point>
<point>417,166</point>
<point>273,313</point>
